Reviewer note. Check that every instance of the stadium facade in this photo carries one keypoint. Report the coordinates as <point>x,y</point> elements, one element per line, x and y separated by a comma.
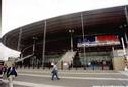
<point>95,39</point>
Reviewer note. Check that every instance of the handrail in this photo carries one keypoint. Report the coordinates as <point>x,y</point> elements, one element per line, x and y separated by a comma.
<point>26,48</point>
<point>24,58</point>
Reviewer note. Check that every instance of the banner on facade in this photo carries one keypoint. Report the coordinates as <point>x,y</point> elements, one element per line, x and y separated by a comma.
<point>101,40</point>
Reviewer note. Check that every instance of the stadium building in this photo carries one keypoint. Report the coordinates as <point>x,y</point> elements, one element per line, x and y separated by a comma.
<point>95,39</point>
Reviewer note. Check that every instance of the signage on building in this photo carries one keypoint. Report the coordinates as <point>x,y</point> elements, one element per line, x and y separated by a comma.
<point>101,40</point>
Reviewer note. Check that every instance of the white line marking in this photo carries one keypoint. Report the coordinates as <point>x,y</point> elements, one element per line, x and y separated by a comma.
<point>69,72</point>
<point>110,86</point>
<point>30,84</point>
<point>124,72</point>
<point>86,78</point>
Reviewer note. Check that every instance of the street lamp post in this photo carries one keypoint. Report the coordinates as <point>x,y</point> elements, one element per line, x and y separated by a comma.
<point>125,55</point>
<point>71,31</point>
<point>123,41</point>
<point>34,43</point>
<point>34,47</point>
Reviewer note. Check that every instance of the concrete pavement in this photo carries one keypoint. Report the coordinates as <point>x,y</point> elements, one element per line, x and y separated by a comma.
<point>73,78</point>
<point>29,84</point>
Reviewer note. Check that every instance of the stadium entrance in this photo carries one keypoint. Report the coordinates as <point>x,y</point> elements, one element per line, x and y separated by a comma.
<point>96,60</point>
<point>95,52</point>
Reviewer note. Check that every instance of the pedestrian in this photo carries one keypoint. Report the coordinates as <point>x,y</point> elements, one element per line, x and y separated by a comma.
<point>69,65</point>
<point>55,72</point>
<point>11,74</point>
<point>5,68</point>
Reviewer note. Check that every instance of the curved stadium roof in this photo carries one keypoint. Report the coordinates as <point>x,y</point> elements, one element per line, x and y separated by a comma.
<point>99,21</point>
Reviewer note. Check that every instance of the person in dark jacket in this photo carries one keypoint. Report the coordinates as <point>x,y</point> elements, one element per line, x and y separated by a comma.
<point>54,72</point>
<point>11,74</point>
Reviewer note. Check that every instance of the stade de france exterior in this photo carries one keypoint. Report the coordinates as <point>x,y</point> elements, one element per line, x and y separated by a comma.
<point>96,39</point>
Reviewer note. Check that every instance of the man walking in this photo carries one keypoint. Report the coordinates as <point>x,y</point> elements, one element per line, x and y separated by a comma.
<point>11,74</point>
<point>55,72</point>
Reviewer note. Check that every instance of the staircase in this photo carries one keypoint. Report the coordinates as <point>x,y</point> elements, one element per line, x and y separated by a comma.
<point>66,59</point>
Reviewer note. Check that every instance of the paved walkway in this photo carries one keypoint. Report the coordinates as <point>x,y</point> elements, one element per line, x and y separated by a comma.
<point>47,71</point>
<point>76,77</point>
<point>71,76</point>
<point>28,84</point>
<point>124,72</point>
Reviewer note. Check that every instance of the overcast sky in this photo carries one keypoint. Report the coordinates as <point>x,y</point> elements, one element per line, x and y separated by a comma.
<point>21,12</point>
<point>0,18</point>
<point>16,13</point>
